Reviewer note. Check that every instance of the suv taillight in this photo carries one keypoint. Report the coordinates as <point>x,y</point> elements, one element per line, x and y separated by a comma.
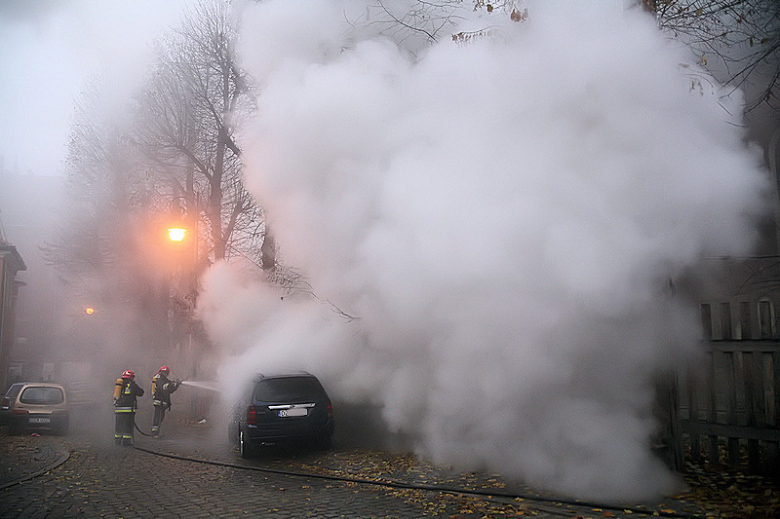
<point>251,415</point>
<point>329,408</point>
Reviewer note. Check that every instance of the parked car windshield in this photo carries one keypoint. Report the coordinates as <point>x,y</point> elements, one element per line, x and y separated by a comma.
<point>42,396</point>
<point>287,389</point>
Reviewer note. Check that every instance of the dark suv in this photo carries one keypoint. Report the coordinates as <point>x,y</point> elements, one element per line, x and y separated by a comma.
<point>282,408</point>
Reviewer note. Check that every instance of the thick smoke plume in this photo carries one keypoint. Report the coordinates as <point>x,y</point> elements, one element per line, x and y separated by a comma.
<point>502,216</point>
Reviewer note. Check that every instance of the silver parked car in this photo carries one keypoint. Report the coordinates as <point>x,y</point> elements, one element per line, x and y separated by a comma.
<point>35,406</point>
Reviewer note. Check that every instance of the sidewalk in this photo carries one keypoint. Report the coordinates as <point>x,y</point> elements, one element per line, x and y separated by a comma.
<point>26,456</point>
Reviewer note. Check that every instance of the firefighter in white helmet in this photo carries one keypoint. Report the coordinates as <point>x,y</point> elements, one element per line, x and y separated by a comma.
<point>126,392</point>
<point>161,395</point>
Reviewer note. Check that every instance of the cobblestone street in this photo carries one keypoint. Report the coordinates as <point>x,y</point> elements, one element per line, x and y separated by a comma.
<point>91,477</point>
<point>193,472</point>
<point>100,480</point>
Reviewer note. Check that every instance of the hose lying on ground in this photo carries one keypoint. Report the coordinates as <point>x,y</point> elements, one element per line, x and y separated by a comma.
<point>432,488</point>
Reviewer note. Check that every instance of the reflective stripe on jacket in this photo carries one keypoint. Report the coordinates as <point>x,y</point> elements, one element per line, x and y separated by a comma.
<point>125,393</point>
<point>162,389</point>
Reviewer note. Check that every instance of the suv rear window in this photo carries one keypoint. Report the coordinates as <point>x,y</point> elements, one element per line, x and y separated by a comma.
<point>42,396</point>
<point>287,389</point>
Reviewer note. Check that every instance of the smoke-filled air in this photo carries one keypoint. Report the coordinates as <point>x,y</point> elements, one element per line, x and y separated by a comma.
<point>490,226</point>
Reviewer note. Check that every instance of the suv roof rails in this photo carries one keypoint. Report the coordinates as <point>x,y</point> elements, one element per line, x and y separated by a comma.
<point>283,374</point>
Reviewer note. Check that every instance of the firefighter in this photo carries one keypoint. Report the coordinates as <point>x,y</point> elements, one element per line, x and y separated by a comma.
<point>161,393</point>
<point>126,392</point>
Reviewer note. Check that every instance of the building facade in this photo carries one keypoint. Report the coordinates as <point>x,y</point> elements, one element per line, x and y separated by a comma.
<point>10,263</point>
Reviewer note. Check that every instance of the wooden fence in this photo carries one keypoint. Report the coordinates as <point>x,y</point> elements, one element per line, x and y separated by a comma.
<point>725,414</point>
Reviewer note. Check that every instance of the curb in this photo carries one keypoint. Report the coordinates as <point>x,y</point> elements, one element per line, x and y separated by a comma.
<point>63,457</point>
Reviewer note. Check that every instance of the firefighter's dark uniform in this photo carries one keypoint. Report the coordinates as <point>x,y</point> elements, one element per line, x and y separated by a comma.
<point>161,393</point>
<point>125,393</point>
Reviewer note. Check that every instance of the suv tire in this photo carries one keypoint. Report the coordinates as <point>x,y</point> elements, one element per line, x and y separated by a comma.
<point>244,446</point>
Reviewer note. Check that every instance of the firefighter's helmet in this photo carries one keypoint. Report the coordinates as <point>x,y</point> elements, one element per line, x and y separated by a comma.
<point>128,374</point>
<point>165,369</point>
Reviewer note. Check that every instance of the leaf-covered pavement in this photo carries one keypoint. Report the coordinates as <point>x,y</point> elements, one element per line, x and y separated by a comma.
<point>708,494</point>
<point>445,492</point>
<point>733,494</point>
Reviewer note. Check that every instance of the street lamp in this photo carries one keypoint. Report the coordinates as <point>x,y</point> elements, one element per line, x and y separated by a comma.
<point>176,234</point>
<point>185,236</point>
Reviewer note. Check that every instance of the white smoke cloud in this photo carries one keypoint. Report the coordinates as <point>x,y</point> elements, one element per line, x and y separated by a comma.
<point>503,218</point>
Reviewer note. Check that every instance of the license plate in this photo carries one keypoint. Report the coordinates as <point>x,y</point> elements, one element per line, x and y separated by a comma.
<point>293,412</point>
<point>36,419</point>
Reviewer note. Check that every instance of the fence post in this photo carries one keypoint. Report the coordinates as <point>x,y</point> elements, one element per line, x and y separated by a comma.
<point>678,447</point>
<point>737,385</point>
<point>771,366</point>
<point>712,415</point>
<point>753,404</point>
<point>693,416</point>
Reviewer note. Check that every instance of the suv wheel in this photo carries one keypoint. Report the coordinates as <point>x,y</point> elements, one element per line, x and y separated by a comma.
<point>244,446</point>
<point>324,442</point>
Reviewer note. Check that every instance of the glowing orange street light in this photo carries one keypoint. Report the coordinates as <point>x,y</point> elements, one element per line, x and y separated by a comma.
<point>89,310</point>
<point>177,233</point>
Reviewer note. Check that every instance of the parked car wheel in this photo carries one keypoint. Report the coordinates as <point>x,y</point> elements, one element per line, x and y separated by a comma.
<point>323,442</point>
<point>15,429</point>
<point>246,449</point>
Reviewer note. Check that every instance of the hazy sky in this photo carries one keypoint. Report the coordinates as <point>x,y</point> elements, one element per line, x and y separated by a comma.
<point>48,49</point>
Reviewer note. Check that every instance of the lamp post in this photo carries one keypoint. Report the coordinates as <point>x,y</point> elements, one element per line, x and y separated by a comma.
<point>180,234</point>
<point>185,238</point>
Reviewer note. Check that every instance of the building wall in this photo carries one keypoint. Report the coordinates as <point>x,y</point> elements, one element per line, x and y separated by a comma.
<point>10,263</point>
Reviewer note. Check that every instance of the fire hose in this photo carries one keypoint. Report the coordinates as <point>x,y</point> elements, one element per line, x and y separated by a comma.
<point>426,487</point>
<point>432,488</point>
<point>138,428</point>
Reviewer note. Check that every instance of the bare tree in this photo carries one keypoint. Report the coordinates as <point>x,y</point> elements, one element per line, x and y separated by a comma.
<point>103,244</point>
<point>429,21</point>
<point>738,40</point>
<point>178,158</point>
<point>188,117</point>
